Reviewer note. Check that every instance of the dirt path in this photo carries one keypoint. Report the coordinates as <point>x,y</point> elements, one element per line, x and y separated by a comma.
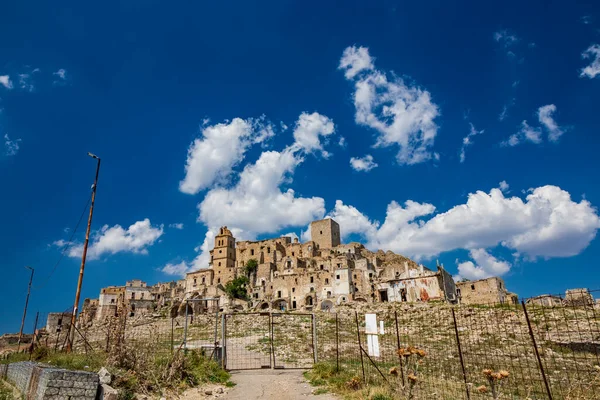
<point>272,385</point>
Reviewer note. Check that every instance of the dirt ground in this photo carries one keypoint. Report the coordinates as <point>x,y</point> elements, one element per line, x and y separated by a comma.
<point>260,384</point>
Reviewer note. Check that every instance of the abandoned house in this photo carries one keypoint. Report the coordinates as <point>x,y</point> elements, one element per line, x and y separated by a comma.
<point>485,291</point>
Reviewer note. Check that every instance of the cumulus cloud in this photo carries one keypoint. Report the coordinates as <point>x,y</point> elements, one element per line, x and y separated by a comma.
<point>112,240</point>
<point>593,53</point>
<point>309,130</point>
<point>485,266</point>
<point>177,225</point>
<point>548,223</point>
<point>468,141</point>
<point>6,82</point>
<point>354,60</point>
<point>365,163</point>
<point>402,114</point>
<point>546,119</point>
<point>11,147</point>
<point>504,186</point>
<point>221,147</point>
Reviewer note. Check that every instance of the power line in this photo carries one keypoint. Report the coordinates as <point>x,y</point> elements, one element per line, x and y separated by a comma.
<point>68,245</point>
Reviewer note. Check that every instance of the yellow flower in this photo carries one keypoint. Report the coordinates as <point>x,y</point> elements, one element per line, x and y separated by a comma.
<point>412,378</point>
<point>482,389</point>
<point>504,373</point>
<point>394,371</point>
<point>487,372</point>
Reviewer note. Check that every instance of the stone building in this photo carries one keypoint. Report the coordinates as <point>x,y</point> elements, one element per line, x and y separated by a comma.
<point>136,297</point>
<point>58,322</point>
<point>485,291</point>
<point>319,274</point>
<point>545,300</point>
<point>578,297</point>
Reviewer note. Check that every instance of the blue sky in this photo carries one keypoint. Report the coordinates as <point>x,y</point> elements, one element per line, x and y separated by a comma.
<point>464,133</point>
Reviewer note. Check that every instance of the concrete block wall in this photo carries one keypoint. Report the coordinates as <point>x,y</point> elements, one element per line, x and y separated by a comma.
<point>40,382</point>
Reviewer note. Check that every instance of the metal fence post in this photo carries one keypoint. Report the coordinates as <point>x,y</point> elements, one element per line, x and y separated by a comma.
<point>398,341</point>
<point>172,334</point>
<point>223,337</point>
<point>537,354</point>
<point>34,336</point>
<point>185,328</point>
<point>315,339</point>
<point>337,344</point>
<point>460,355</point>
<point>362,363</point>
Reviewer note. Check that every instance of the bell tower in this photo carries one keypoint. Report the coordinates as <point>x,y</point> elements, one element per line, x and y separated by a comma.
<point>223,256</point>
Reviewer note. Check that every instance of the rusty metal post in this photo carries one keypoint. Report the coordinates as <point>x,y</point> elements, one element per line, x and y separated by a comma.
<point>34,336</point>
<point>110,320</point>
<point>25,310</point>
<point>337,344</point>
<point>83,256</point>
<point>360,349</point>
<point>398,342</point>
<point>537,353</point>
<point>172,333</point>
<point>460,355</point>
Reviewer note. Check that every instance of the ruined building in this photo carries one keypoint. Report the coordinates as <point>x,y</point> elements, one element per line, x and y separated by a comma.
<point>318,274</point>
<point>485,291</point>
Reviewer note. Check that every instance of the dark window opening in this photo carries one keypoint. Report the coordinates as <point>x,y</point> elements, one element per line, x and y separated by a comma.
<point>251,252</point>
<point>403,294</point>
<point>293,290</point>
<point>294,304</point>
<point>321,232</point>
<point>312,279</point>
<point>472,287</point>
<point>279,293</point>
<point>326,281</point>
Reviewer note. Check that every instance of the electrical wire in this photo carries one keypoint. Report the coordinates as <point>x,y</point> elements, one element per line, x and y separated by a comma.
<point>68,245</point>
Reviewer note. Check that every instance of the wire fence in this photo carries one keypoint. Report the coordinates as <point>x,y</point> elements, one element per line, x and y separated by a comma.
<point>502,351</point>
<point>546,347</point>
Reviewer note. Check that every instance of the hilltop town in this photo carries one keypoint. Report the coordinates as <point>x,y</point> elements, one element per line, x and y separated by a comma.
<point>286,275</point>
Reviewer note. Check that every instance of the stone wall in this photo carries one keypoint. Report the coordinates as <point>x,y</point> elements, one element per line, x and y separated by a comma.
<point>40,382</point>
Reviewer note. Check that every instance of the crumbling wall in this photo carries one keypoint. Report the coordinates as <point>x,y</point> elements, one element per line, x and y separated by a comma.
<point>483,291</point>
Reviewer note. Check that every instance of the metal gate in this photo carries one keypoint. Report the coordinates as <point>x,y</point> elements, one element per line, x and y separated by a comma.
<point>269,340</point>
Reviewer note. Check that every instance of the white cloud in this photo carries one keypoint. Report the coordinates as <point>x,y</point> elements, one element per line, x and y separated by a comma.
<point>257,203</point>
<point>112,240</point>
<point>25,82</point>
<point>352,221</point>
<point>545,117</point>
<point>365,163</point>
<point>402,114</point>
<point>586,19</point>
<point>485,266</point>
<point>177,225</point>
<point>592,52</point>
<point>504,186</point>
<point>309,129</point>
<point>221,147</point>
<point>354,60</point>
<point>505,38</point>
<point>547,224</point>
<point>61,73</point>
<point>6,82</point>
<point>468,141</point>
<point>179,269</point>
<point>527,132</point>
<point>11,147</point>
<point>342,142</point>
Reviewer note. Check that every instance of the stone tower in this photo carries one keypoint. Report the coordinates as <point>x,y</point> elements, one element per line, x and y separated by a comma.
<point>325,233</point>
<point>223,256</point>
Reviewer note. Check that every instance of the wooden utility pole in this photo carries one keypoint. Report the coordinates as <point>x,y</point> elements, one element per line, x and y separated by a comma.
<point>85,247</point>
<point>25,310</point>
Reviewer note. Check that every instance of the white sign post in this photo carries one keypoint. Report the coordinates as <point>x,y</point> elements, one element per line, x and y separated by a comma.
<point>371,331</point>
